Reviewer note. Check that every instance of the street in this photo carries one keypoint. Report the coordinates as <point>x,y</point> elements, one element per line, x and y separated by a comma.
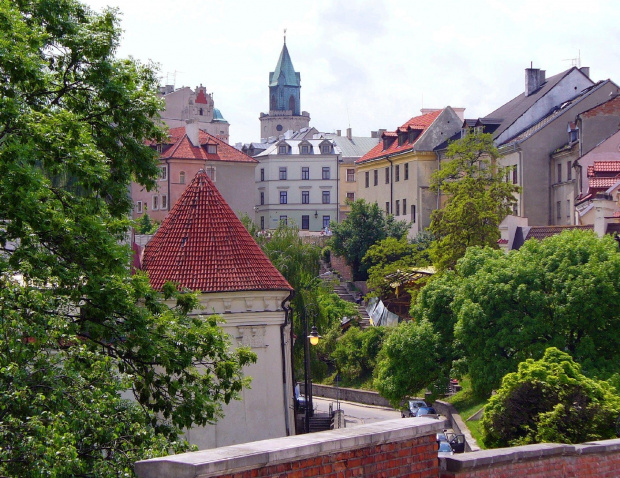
<point>356,413</point>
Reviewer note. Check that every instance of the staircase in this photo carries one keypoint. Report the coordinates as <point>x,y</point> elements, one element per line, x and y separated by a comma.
<point>331,279</point>
<point>320,422</point>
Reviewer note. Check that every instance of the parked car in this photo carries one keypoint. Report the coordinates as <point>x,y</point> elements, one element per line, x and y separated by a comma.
<point>426,411</point>
<point>444,449</point>
<point>412,407</point>
<point>300,399</point>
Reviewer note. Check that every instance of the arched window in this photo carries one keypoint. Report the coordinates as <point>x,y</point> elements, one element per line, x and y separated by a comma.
<point>291,103</point>
<point>182,177</point>
<point>273,102</point>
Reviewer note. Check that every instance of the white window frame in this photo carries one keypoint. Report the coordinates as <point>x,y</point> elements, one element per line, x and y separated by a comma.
<point>212,149</point>
<point>155,202</point>
<point>181,177</point>
<point>139,209</point>
<point>211,172</point>
<point>163,202</point>
<point>163,173</point>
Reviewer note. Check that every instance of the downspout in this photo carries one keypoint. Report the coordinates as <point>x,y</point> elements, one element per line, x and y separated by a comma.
<point>338,188</point>
<point>520,205</point>
<point>391,182</point>
<point>168,176</point>
<point>287,321</point>
<point>438,168</point>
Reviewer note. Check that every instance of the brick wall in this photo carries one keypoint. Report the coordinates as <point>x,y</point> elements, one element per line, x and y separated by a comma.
<point>338,264</point>
<point>549,460</point>
<point>384,449</point>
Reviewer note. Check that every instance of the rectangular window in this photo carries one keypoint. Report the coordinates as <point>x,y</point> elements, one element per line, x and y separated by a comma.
<point>397,173</point>
<point>305,149</point>
<point>325,197</point>
<point>283,197</point>
<point>568,208</point>
<point>139,207</point>
<point>351,197</point>
<point>163,173</point>
<point>569,171</point>
<point>155,203</point>
<point>515,178</point>
<point>326,220</point>
<point>376,177</point>
<point>413,213</point>
<point>164,201</point>
<point>305,222</point>
<point>212,148</point>
<point>305,173</point>
<point>397,208</point>
<point>406,171</point>
<point>367,178</point>
<point>387,207</point>
<point>326,149</point>
<point>262,174</point>
<point>351,175</point>
<point>305,197</point>
<point>325,173</point>
<point>262,198</point>
<point>282,149</point>
<point>211,172</point>
<point>262,223</point>
<point>181,177</point>
<point>559,172</point>
<point>515,209</point>
<point>558,205</point>
<point>282,174</point>
<point>284,220</point>
<point>387,175</point>
<point>404,207</point>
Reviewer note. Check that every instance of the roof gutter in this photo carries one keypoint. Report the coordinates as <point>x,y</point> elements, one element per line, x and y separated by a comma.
<point>287,321</point>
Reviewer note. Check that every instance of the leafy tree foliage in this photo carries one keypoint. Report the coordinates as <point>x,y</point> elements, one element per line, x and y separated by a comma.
<point>364,226</point>
<point>550,400</point>
<point>408,362</point>
<point>355,354</point>
<point>146,226</point>
<point>77,328</point>
<point>391,254</point>
<point>560,292</point>
<point>479,197</point>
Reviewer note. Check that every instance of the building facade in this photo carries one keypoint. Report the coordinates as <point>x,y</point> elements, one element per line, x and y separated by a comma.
<point>296,182</point>
<point>186,104</point>
<point>188,150</point>
<point>396,173</point>
<point>284,100</point>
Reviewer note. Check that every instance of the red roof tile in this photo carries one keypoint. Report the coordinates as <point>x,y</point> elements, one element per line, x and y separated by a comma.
<point>202,245</point>
<point>419,123</point>
<point>201,98</point>
<point>605,166</point>
<point>602,183</point>
<point>182,148</point>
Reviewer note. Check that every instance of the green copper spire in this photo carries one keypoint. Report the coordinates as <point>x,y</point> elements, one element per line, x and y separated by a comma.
<point>284,74</point>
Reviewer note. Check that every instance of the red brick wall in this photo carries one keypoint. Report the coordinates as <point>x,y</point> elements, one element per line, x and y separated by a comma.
<point>416,458</point>
<point>339,265</point>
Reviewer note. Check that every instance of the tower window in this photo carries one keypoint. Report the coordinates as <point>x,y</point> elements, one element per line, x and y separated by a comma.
<point>273,103</point>
<point>291,103</point>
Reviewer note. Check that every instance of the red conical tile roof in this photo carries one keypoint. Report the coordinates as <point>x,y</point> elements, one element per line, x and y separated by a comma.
<point>202,245</point>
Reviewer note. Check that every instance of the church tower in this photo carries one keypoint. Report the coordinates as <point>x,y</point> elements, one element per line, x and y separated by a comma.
<point>284,99</point>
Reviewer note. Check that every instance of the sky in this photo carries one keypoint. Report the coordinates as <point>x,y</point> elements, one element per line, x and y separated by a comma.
<point>366,64</point>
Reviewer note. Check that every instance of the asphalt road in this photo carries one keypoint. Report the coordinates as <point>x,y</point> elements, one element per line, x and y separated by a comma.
<point>356,413</point>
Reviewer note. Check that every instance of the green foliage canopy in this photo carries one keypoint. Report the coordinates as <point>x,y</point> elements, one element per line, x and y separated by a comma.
<point>78,329</point>
<point>478,195</point>
<point>355,354</point>
<point>550,400</point>
<point>365,225</point>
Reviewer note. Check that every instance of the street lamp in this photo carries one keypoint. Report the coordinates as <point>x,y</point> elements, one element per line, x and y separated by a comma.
<point>313,338</point>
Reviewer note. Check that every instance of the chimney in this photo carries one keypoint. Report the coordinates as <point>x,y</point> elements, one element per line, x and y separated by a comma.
<point>380,132</point>
<point>338,132</point>
<point>585,70</point>
<point>374,134</point>
<point>191,130</point>
<point>349,134</point>
<point>534,78</point>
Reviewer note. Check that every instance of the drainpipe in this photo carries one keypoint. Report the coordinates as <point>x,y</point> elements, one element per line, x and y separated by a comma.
<point>168,176</point>
<point>338,188</point>
<point>391,182</point>
<point>287,321</point>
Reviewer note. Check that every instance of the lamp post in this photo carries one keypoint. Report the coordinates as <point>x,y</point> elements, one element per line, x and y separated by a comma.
<point>313,338</point>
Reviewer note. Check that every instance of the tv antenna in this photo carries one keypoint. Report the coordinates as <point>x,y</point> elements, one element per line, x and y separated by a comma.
<point>575,61</point>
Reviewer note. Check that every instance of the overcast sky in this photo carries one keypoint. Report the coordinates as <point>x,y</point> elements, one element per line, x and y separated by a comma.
<point>367,64</point>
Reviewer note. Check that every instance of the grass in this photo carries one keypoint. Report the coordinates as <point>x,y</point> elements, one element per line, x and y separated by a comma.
<point>467,404</point>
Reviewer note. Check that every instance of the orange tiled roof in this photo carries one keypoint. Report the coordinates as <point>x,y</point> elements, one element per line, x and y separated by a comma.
<point>602,183</point>
<point>604,167</point>
<point>182,148</point>
<point>417,123</point>
<point>202,245</point>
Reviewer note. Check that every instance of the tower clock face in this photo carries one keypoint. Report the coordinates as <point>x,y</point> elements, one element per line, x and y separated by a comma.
<point>279,127</point>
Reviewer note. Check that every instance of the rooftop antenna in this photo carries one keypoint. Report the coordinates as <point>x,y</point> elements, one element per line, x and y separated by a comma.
<point>348,117</point>
<point>285,36</point>
<point>575,61</point>
<point>174,77</point>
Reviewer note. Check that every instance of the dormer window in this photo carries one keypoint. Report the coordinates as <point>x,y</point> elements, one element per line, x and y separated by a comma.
<point>282,149</point>
<point>401,139</point>
<point>159,148</point>
<point>413,135</point>
<point>326,148</point>
<point>305,148</point>
<point>212,148</point>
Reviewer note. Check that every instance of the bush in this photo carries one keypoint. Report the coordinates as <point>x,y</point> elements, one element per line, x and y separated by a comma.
<point>326,254</point>
<point>355,354</point>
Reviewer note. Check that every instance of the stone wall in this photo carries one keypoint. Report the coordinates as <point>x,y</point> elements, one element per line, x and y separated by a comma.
<point>549,460</point>
<point>339,265</point>
<point>389,448</point>
<point>366,397</point>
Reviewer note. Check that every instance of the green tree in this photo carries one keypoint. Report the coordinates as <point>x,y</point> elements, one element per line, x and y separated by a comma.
<point>478,195</point>
<point>506,308</point>
<point>408,362</point>
<point>77,328</point>
<point>364,226</point>
<point>550,400</point>
<point>355,354</point>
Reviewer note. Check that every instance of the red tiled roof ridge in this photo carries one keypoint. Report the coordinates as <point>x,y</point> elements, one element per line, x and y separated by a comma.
<point>203,246</point>
<point>421,122</point>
